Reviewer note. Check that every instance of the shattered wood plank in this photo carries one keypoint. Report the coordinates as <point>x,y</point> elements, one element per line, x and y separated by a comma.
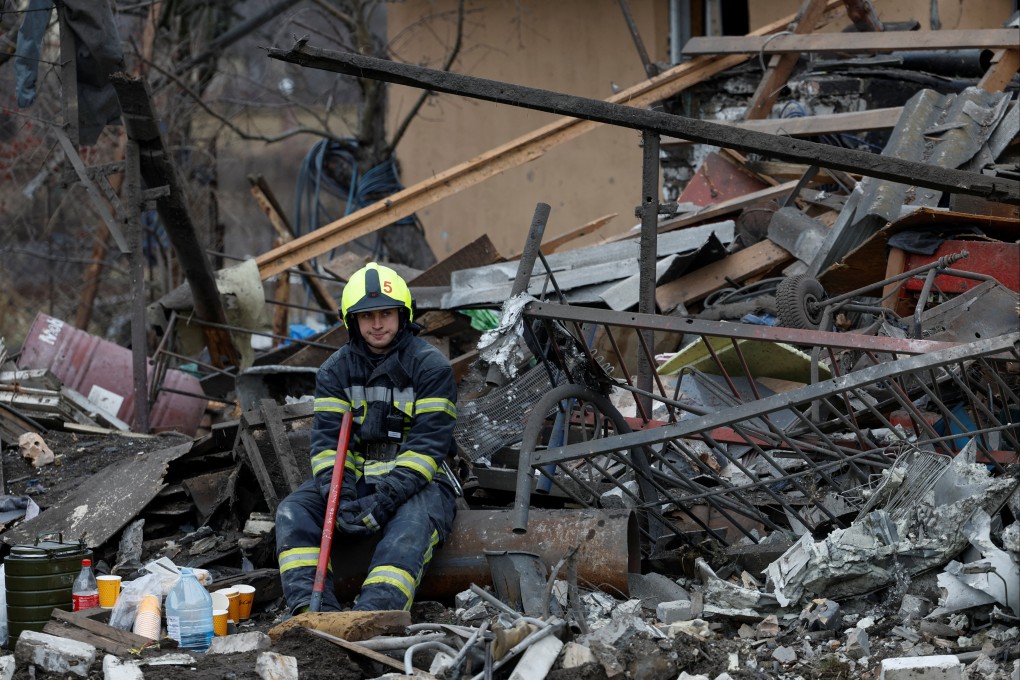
<point>553,244</point>
<point>266,200</point>
<point>252,454</point>
<point>288,413</point>
<point>781,65</point>
<point>273,419</point>
<point>726,207</point>
<point>363,651</point>
<point>1004,66</point>
<point>38,378</point>
<point>886,41</point>
<point>478,253</point>
<point>810,126</point>
<point>102,635</point>
<point>491,163</point>
<point>335,338</point>
<point>105,502</point>
<point>740,266</point>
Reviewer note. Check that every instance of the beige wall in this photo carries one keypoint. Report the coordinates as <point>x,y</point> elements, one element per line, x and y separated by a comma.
<point>954,14</point>
<point>579,47</point>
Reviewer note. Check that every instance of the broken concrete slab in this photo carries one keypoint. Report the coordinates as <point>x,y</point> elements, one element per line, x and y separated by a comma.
<point>105,502</point>
<point>239,643</point>
<point>273,666</point>
<point>944,667</point>
<point>54,654</point>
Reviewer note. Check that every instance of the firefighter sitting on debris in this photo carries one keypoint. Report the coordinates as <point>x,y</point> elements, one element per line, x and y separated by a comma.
<point>395,481</point>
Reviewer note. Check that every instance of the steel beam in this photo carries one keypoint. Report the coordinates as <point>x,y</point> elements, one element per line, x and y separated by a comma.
<point>776,146</point>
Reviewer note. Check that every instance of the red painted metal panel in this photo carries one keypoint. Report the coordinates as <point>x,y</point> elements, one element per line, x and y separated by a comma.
<point>102,371</point>
<point>995,258</point>
<point>719,179</point>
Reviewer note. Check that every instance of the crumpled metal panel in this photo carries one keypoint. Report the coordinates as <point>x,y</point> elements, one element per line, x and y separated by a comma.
<point>943,130</point>
<point>102,371</point>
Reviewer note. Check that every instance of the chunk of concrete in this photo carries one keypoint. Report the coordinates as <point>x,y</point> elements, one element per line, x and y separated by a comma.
<point>784,655</point>
<point>7,665</point>
<point>115,668</point>
<point>654,588</point>
<point>857,646</point>
<point>671,612</point>
<point>273,666</point>
<point>54,654</point>
<point>574,655</point>
<point>240,643</point>
<point>538,659</point>
<point>942,667</point>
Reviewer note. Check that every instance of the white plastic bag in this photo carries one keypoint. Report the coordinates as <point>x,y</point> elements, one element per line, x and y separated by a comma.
<point>131,594</point>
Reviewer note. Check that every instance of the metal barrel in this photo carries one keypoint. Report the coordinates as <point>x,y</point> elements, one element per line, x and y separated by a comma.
<point>38,579</point>
<point>102,372</point>
<point>608,540</point>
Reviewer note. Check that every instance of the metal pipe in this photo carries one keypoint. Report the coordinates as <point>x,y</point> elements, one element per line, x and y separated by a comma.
<point>389,644</point>
<point>609,550</point>
<point>552,626</point>
<point>409,654</point>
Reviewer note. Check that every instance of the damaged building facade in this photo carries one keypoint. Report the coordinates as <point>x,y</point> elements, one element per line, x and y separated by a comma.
<point>769,431</point>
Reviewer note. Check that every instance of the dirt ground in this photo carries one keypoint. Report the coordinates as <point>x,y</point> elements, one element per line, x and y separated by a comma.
<point>638,658</point>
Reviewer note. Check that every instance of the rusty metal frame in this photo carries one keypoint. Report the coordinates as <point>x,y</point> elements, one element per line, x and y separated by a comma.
<point>835,456</point>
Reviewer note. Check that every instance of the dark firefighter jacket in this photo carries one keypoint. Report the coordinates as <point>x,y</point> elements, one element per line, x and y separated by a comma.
<point>404,413</point>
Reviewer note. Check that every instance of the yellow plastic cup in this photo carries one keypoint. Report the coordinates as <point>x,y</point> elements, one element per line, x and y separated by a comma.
<point>247,598</point>
<point>219,621</point>
<point>109,590</point>
<point>234,599</point>
<point>147,619</point>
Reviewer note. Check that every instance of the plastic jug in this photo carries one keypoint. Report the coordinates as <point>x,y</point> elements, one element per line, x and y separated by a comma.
<point>189,613</point>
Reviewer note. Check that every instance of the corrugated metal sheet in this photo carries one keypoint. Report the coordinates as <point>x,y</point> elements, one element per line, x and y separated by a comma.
<point>101,370</point>
<point>943,130</point>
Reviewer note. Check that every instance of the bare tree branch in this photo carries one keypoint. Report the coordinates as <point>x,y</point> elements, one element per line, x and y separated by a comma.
<point>450,58</point>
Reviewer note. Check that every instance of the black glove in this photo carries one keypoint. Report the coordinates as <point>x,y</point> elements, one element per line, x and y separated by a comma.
<point>348,490</point>
<point>365,516</point>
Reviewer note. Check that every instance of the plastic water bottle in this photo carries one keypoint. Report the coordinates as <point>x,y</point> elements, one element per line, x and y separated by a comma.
<point>85,591</point>
<point>189,613</point>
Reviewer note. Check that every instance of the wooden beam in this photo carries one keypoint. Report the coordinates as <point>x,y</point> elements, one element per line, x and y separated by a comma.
<point>809,126</point>
<point>781,65</point>
<point>886,41</point>
<point>516,152</point>
<point>266,200</point>
<point>1004,66</point>
<point>740,266</point>
<point>725,207</point>
<point>551,245</point>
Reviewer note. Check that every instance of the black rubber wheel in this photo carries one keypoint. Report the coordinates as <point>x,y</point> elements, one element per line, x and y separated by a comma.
<point>798,301</point>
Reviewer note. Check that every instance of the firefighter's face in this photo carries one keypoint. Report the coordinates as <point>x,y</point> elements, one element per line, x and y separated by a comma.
<point>378,327</point>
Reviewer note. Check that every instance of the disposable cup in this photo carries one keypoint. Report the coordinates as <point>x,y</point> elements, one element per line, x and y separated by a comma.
<point>219,621</point>
<point>147,619</point>
<point>247,598</point>
<point>219,600</point>
<point>234,599</point>
<point>109,590</point>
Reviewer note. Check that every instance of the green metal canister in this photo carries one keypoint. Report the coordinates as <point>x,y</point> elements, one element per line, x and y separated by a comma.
<point>38,580</point>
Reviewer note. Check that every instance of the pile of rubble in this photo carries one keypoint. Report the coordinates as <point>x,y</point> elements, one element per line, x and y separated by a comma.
<point>770,432</point>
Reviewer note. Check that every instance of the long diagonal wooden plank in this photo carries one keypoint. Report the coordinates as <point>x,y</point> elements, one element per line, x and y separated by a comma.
<point>890,168</point>
<point>781,65</point>
<point>512,154</point>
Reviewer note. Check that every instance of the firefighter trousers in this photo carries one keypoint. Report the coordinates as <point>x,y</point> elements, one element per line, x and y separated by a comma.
<point>417,528</point>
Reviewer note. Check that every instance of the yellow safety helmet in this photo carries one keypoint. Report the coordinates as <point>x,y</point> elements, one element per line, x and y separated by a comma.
<point>374,286</point>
